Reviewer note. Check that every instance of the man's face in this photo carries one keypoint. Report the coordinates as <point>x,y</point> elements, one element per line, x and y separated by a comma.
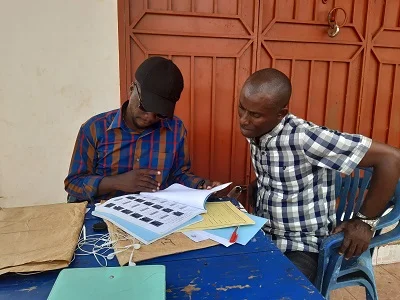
<point>257,114</point>
<point>140,118</point>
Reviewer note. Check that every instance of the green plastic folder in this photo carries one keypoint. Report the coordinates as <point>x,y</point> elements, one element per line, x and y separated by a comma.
<point>138,282</point>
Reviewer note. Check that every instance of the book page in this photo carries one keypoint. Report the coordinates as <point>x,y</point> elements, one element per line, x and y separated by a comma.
<point>154,214</point>
<point>138,232</point>
<point>185,195</point>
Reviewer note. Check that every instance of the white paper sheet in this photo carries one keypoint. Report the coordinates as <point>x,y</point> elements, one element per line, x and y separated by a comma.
<point>185,195</point>
<point>217,239</point>
<point>195,235</point>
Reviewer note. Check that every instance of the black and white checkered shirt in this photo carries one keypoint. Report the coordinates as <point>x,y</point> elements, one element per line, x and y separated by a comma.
<point>295,165</point>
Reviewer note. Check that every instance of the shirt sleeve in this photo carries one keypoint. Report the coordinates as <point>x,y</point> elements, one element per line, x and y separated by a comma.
<point>180,172</point>
<point>82,181</point>
<point>333,149</point>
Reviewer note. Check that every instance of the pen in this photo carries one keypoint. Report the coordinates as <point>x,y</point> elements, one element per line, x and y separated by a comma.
<point>234,235</point>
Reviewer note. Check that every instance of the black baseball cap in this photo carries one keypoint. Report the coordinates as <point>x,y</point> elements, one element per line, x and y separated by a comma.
<point>161,84</point>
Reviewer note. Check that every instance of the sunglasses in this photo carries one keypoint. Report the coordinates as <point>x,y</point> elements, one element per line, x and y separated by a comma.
<point>160,116</point>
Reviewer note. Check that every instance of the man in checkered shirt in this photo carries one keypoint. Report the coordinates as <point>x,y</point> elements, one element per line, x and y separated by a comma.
<point>295,162</point>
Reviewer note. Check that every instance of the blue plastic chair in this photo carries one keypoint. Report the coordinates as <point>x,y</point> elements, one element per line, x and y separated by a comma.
<point>333,270</point>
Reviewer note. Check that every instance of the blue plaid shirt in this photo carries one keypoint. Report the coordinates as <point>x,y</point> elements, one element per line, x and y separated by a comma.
<point>295,165</point>
<point>105,146</point>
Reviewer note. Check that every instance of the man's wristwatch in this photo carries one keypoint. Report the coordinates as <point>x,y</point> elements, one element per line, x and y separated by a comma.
<point>371,222</point>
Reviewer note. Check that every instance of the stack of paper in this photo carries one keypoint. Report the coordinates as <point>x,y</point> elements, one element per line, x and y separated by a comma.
<point>221,215</point>
<point>150,216</point>
<point>222,235</point>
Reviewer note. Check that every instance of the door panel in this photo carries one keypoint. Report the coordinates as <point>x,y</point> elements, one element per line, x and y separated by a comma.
<point>325,72</point>
<point>213,43</point>
<point>380,109</point>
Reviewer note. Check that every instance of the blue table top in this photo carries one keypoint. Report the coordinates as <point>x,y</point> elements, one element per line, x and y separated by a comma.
<point>255,271</point>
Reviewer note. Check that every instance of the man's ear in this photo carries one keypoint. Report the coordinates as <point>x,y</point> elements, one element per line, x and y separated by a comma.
<point>283,112</point>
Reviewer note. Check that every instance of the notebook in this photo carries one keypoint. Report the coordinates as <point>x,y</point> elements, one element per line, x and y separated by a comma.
<point>142,234</point>
<point>117,283</point>
<point>161,212</point>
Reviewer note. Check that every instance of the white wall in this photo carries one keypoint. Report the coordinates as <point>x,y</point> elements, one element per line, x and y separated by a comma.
<point>58,67</point>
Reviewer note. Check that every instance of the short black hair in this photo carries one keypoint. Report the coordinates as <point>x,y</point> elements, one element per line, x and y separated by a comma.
<point>272,82</point>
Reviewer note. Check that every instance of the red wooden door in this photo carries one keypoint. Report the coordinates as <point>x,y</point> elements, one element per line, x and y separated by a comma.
<point>325,72</point>
<point>380,108</point>
<point>349,82</point>
<point>214,44</point>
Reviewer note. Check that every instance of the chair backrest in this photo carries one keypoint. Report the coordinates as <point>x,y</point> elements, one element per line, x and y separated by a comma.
<point>350,193</point>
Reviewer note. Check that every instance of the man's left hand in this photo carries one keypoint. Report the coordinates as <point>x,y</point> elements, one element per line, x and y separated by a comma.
<point>208,184</point>
<point>357,236</point>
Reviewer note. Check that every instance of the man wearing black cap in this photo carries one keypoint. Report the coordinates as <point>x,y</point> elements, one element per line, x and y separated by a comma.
<point>140,147</point>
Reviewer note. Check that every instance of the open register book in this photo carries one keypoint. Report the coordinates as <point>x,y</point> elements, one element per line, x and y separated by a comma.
<point>151,216</point>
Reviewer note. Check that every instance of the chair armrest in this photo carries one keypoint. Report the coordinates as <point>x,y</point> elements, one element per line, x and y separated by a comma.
<point>385,238</point>
<point>327,247</point>
<point>332,242</point>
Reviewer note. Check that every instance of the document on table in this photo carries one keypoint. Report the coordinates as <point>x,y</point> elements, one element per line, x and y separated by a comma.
<point>143,235</point>
<point>217,239</point>
<point>154,214</point>
<point>245,233</point>
<point>198,236</point>
<point>161,211</point>
<point>221,215</point>
<point>186,195</point>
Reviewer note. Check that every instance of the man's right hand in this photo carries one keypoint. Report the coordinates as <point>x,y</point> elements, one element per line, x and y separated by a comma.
<point>138,180</point>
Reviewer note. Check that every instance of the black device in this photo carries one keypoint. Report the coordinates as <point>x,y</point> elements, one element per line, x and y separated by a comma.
<point>100,226</point>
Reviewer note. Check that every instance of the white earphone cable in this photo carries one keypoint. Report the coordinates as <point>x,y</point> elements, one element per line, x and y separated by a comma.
<point>104,246</point>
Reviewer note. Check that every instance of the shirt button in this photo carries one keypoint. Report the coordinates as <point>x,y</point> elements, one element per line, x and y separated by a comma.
<point>137,159</point>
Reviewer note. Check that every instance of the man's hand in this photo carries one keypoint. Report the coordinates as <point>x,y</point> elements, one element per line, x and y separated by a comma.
<point>139,180</point>
<point>208,184</point>
<point>357,236</point>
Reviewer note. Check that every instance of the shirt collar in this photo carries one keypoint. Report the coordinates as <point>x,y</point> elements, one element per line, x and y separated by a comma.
<point>167,123</point>
<point>118,121</point>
